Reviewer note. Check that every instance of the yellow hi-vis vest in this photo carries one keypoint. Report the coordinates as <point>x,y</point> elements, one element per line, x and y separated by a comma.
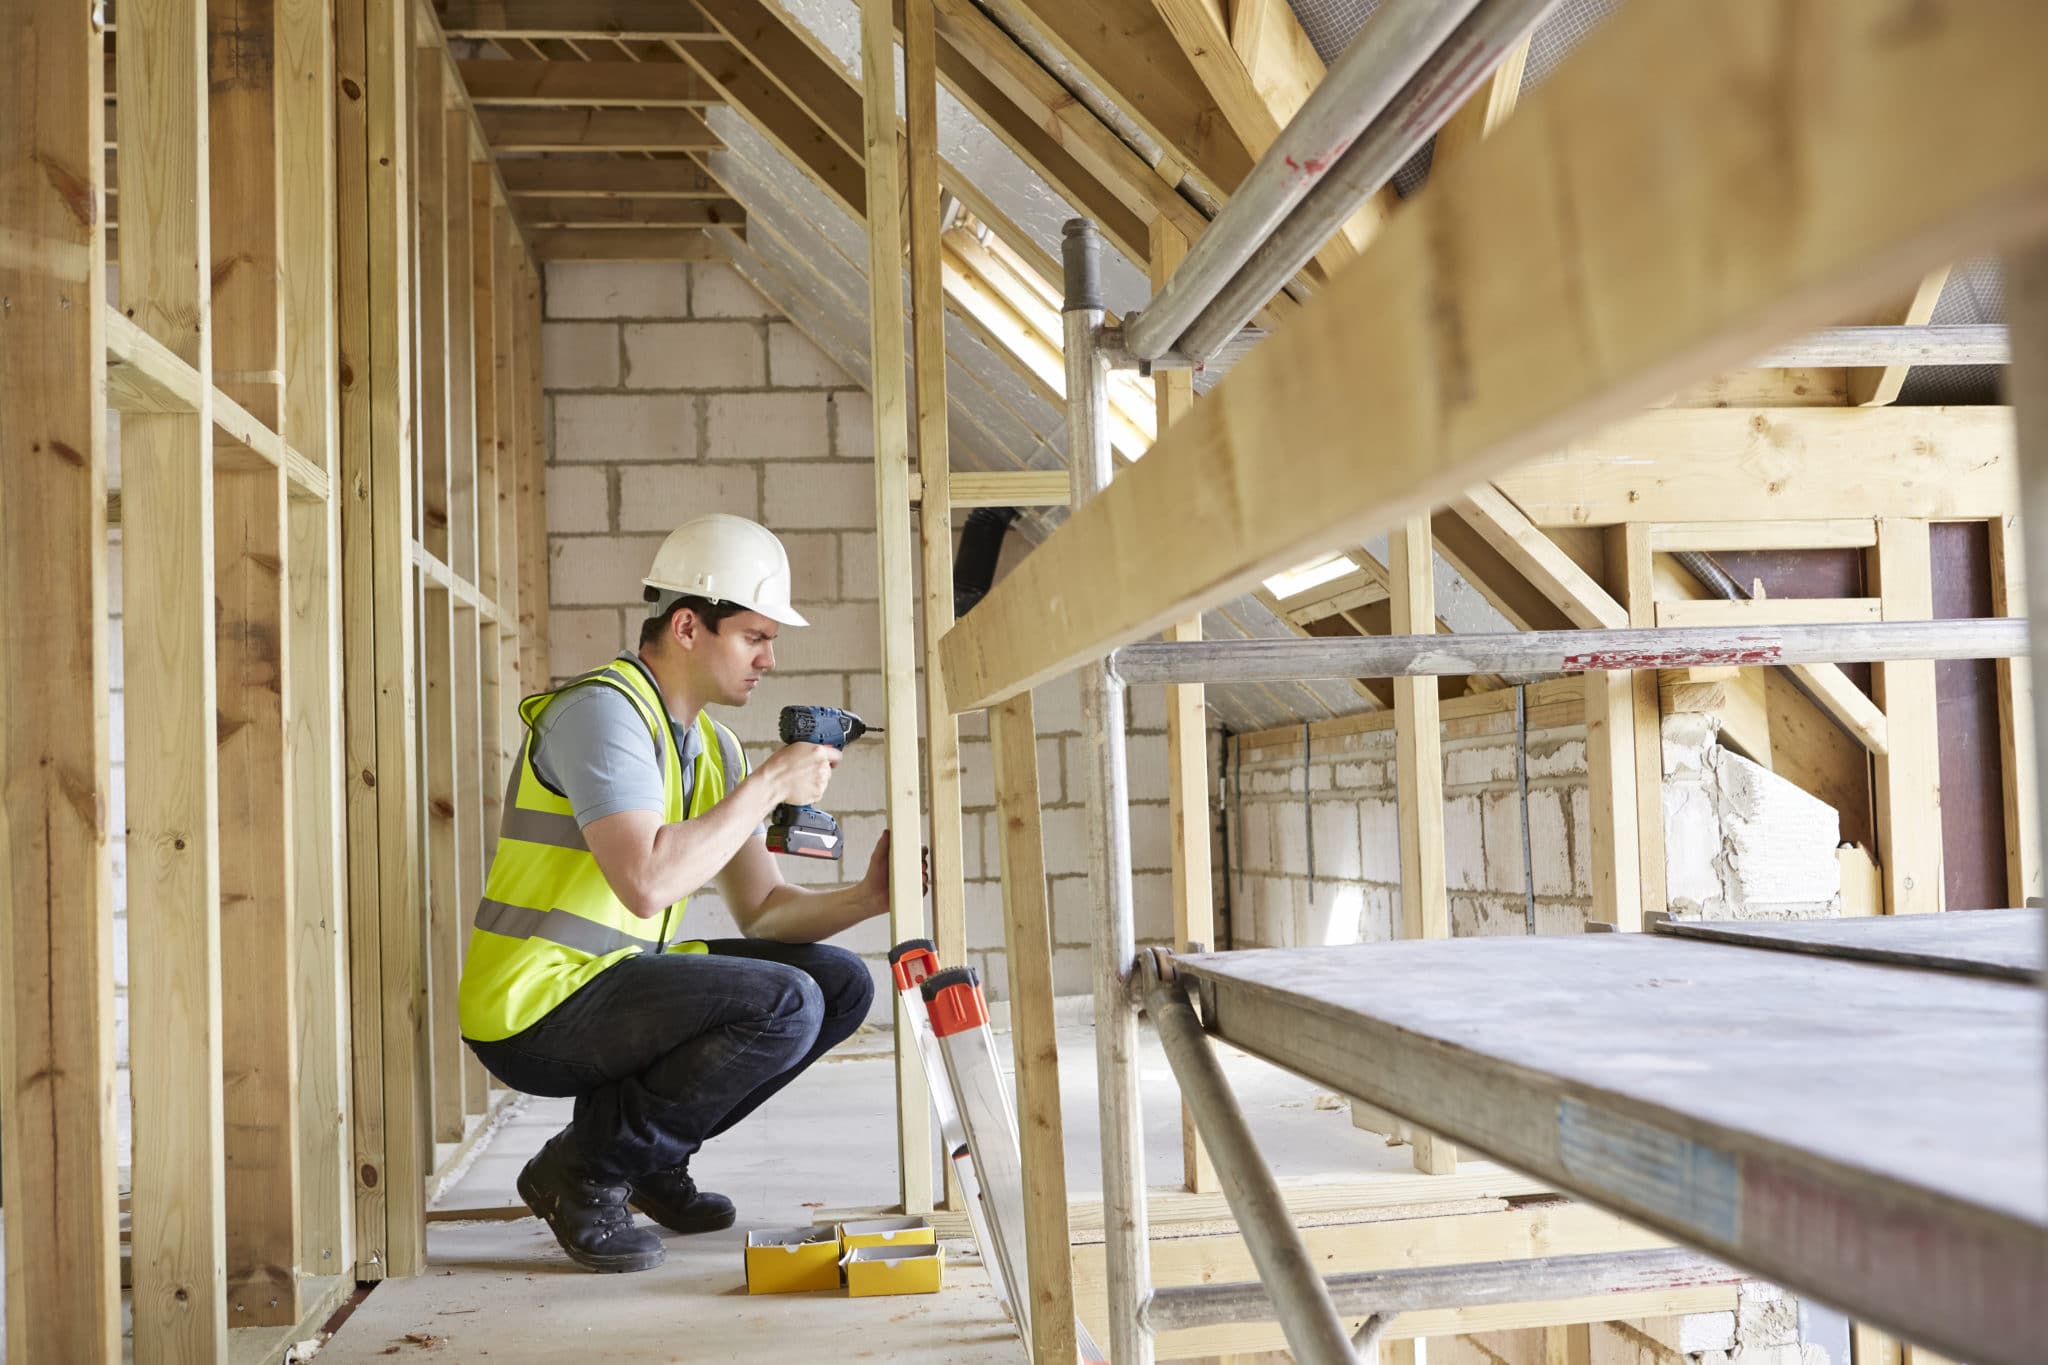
<point>549,921</point>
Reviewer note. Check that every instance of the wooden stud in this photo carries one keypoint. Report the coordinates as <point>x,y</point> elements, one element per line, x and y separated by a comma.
<point>1611,789</point>
<point>430,183</point>
<point>1027,946</point>
<point>1630,567</point>
<point>1908,775</point>
<point>56,918</point>
<point>533,539</point>
<point>1187,740</point>
<point>179,1226</point>
<point>388,970</point>
<point>935,510</point>
<point>510,442</point>
<point>484,492</point>
<point>461,281</point>
<point>306,115</point>
<point>2016,723</point>
<point>892,525</point>
<point>1514,391</point>
<point>251,580</point>
<point>445,918</point>
<point>1419,775</point>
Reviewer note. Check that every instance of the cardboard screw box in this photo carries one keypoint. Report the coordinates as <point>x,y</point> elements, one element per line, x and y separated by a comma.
<point>882,1232</point>
<point>918,1268</point>
<point>792,1260</point>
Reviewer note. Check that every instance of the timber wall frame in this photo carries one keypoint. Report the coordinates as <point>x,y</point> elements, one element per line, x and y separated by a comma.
<point>324,349</point>
<point>1526,340</point>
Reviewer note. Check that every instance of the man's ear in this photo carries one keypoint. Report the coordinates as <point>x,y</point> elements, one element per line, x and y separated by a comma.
<point>682,627</point>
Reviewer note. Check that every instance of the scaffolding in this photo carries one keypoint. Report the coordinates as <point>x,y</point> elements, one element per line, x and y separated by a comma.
<point>1937,1231</point>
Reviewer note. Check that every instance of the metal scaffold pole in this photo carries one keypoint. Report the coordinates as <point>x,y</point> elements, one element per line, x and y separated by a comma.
<point>1109,839</point>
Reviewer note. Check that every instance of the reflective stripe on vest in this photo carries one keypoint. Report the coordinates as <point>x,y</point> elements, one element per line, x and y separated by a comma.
<point>548,921</point>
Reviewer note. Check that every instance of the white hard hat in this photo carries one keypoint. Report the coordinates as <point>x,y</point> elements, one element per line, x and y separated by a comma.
<point>724,559</point>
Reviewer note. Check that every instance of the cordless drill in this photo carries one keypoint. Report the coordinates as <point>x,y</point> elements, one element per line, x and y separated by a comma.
<point>806,831</point>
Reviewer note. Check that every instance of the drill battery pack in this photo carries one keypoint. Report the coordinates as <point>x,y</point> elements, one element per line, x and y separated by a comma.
<point>804,832</point>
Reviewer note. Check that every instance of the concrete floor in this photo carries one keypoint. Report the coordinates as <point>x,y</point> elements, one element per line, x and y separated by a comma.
<point>502,1292</point>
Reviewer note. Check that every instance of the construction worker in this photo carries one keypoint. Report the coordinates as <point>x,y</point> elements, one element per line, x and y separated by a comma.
<point>627,798</point>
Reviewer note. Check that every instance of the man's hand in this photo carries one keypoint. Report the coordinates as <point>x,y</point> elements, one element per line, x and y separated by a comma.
<point>876,883</point>
<point>799,773</point>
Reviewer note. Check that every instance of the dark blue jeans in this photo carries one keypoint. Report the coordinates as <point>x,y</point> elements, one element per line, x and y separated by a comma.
<point>665,1050</point>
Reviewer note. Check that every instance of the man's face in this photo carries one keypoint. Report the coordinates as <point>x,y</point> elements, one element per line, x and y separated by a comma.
<point>730,661</point>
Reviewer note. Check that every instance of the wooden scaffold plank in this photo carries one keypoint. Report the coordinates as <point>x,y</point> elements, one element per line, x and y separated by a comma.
<point>888,384</point>
<point>179,1225</point>
<point>1464,378</point>
<point>56,920</point>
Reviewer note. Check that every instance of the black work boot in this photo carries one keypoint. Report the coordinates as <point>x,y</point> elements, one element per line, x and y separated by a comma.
<point>588,1217</point>
<point>673,1200</point>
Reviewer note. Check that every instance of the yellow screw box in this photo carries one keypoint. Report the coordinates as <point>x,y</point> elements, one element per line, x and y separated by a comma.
<point>792,1260</point>
<point>883,1232</point>
<point>918,1268</point>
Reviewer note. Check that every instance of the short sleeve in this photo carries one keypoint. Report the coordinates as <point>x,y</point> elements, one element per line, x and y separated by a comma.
<point>594,748</point>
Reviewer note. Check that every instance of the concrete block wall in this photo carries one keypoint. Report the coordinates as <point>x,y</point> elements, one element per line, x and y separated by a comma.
<point>675,390</point>
<point>1742,842</point>
<point>1344,884</point>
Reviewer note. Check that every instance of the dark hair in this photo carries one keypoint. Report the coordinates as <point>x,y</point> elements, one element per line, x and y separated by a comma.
<point>709,612</point>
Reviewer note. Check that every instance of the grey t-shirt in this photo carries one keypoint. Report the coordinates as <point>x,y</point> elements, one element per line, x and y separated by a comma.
<point>594,748</point>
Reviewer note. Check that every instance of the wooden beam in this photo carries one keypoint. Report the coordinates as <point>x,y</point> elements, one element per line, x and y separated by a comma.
<point>387,967</point>
<point>1027,947</point>
<point>580,21</point>
<point>1538,559</point>
<point>887,385</point>
<point>989,52</point>
<point>306,115</point>
<point>1125,50</point>
<point>607,177</point>
<point>1419,775</point>
<point>1497,580</point>
<point>2016,723</point>
<point>1187,740</point>
<point>597,130</point>
<point>173,817</point>
<point>935,509</point>
<point>1710,536</point>
<point>1356,362</point>
<point>1006,488</point>
<point>56,918</point>
<point>1774,464</point>
<point>624,244</point>
<point>782,118</point>
<point>1908,774</point>
<point>1260,70</point>
<point>1769,611</point>
<point>1877,385</point>
<point>588,211</point>
<point>1846,702</point>
<point>644,85</point>
<point>511,445</point>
